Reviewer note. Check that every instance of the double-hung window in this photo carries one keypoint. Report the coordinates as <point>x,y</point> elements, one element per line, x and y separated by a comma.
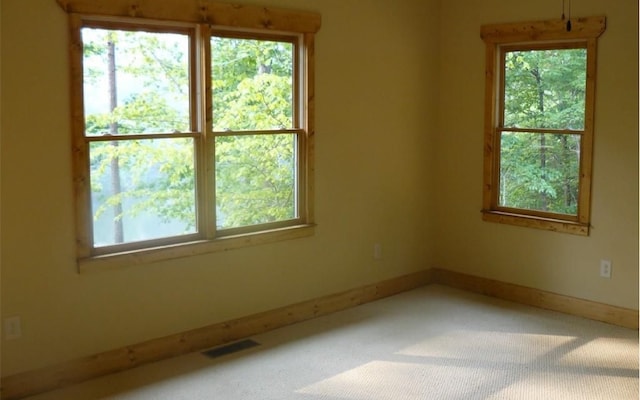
<point>539,122</point>
<point>192,131</point>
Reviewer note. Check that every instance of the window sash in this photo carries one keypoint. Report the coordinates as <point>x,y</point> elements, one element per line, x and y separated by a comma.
<point>501,128</point>
<point>504,49</point>
<point>297,41</point>
<point>298,119</point>
<point>532,211</point>
<point>82,142</point>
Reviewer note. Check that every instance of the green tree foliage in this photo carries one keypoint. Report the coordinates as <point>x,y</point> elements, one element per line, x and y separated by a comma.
<point>252,90</point>
<point>544,89</point>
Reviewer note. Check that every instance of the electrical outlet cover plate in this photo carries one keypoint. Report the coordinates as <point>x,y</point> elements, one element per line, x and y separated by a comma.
<point>605,269</point>
<point>12,328</point>
<point>377,251</point>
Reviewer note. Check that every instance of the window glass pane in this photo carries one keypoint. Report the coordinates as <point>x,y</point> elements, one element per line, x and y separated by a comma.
<point>142,189</point>
<point>255,179</point>
<point>135,82</point>
<point>252,84</point>
<point>540,172</point>
<point>545,89</point>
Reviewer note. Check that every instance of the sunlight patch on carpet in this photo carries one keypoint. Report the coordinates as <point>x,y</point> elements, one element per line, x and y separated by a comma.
<point>488,346</point>
<point>609,354</point>
<point>385,380</point>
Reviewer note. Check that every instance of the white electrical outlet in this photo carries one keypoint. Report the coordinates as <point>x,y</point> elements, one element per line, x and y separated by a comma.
<point>12,328</point>
<point>605,269</point>
<point>377,251</point>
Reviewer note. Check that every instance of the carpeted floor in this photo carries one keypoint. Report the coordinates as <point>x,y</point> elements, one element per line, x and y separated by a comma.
<point>430,343</point>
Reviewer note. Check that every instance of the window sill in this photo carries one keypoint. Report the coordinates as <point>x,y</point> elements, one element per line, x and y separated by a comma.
<point>555,225</point>
<point>146,256</point>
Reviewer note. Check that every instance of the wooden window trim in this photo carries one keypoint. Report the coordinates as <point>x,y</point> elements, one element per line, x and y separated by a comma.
<point>205,16</point>
<point>213,13</point>
<point>531,35</point>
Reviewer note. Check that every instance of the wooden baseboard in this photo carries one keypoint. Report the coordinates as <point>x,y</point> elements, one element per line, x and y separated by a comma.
<point>75,371</point>
<point>625,317</point>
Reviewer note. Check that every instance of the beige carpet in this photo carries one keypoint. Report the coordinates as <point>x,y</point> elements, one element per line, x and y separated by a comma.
<point>431,343</point>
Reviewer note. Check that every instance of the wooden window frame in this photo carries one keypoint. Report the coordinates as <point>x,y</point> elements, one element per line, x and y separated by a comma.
<point>201,20</point>
<point>550,34</point>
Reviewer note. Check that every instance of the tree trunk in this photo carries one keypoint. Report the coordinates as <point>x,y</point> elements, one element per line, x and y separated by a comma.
<point>543,140</point>
<point>566,151</point>
<point>543,167</point>
<point>116,187</point>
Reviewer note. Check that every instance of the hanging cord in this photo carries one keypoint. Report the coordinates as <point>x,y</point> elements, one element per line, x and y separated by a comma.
<point>568,15</point>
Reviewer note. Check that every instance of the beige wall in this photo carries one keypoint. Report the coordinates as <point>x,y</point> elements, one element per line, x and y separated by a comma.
<point>375,123</point>
<point>555,262</point>
<point>398,162</point>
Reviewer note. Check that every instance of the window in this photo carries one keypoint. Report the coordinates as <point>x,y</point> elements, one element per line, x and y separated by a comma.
<point>190,134</point>
<point>539,111</point>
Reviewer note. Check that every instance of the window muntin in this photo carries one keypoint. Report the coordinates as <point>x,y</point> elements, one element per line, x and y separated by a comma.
<point>539,123</point>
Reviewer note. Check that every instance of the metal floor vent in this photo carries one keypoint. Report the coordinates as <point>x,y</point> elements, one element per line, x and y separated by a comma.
<point>231,348</point>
